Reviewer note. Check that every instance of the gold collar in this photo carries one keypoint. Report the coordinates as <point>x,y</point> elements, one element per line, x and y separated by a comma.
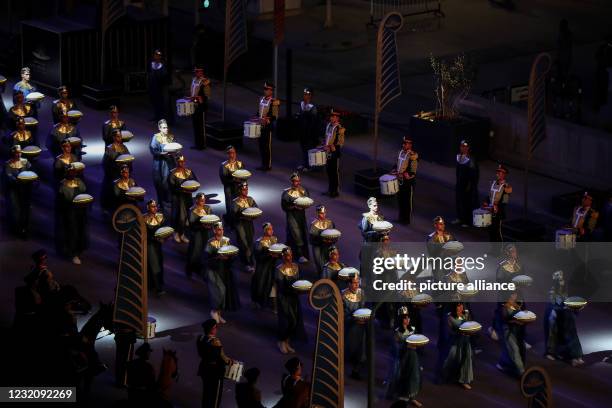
<point>153,219</point>
<point>181,173</point>
<point>200,211</point>
<point>322,224</point>
<point>296,192</point>
<point>352,296</point>
<point>233,166</point>
<point>289,270</point>
<point>218,243</point>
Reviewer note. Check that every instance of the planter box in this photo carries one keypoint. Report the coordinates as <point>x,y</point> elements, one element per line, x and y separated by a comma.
<point>366,182</point>
<point>438,140</point>
<point>221,134</point>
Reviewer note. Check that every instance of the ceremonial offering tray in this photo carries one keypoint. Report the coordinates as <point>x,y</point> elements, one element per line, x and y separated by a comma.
<point>303,202</point>
<point>417,340</point>
<point>467,292</point>
<point>210,219</point>
<point>331,234</point>
<point>382,226</point>
<point>76,141</point>
<point>34,96</point>
<point>75,114</point>
<point>388,184</point>
<point>228,250</point>
<point>347,273</point>
<point>362,314</point>
<point>470,327</point>
<point>452,248</point>
<point>135,192</point>
<point>522,280</point>
<point>172,147</point>
<point>421,299</point>
<point>575,302</point>
<point>525,316</point>
<point>277,248</point>
<point>126,135</point>
<point>30,121</point>
<point>83,199</point>
<point>252,212</point>
<point>190,185</point>
<point>164,232</point>
<point>302,285</point>
<point>27,176</point>
<point>31,151</point>
<point>241,174</point>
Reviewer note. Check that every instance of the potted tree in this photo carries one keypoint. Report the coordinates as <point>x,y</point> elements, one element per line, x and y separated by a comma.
<point>437,133</point>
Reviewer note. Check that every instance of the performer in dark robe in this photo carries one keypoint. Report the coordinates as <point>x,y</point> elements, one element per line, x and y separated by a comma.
<point>63,104</point>
<point>513,353</point>
<point>18,194</point>
<point>21,136</point>
<point>212,366</point>
<point>244,225</point>
<point>368,220</point>
<point>200,92</point>
<point>333,266</point>
<point>406,170</point>
<point>509,267</point>
<point>62,161</point>
<point>112,169</point>
<point>560,333</point>
<point>355,330</point>
<point>262,282</point>
<point>72,237</point>
<point>267,114</point>
<point>405,381</point>
<point>199,234</point>
<point>332,144</point>
<point>584,219</point>
<point>230,184</point>
<point>320,246</point>
<point>222,286</point>
<point>162,163</point>
<point>309,127</point>
<point>458,365</point>
<point>154,220</point>
<point>466,186</point>
<point>435,243</point>
<point>181,198</point>
<point>114,123</point>
<point>297,235</point>
<point>290,321</point>
<point>25,110</point>
<point>121,187</point>
<point>496,202</point>
<point>63,130</point>
<point>157,78</point>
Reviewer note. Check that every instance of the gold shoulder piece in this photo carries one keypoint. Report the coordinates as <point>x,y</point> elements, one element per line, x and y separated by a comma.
<point>414,156</point>
<point>276,102</point>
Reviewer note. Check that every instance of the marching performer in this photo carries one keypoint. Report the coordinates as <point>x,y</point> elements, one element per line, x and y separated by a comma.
<point>63,130</point>
<point>212,366</point>
<point>20,109</point>
<point>334,140</point>
<point>199,234</point>
<point>222,287</point>
<point>162,163</point>
<point>308,124</point>
<point>72,237</point>
<point>262,283</point>
<point>18,193</point>
<point>267,114</point>
<point>499,196</point>
<point>63,104</point>
<point>560,334</point>
<point>466,186</point>
<point>290,321</point>
<point>24,86</point>
<point>230,184</point>
<point>512,359</point>
<point>369,218</point>
<point>354,330</point>
<point>584,218</point>
<point>155,255</point>
<point>405,382</point>
<point>63,160</point>
<point>333,266</point>
<point>509,267</point>
<point>320,245</point>
<point>121,187</point>
<point>181,199</point>
<point>457,350</point>
<point>112,124</point>
<point>200,92</point>
<point>435,242</point>
<point>21,136</point>
<point>244,225</point>
<point>157,78</point>
<point>297,236</point>
<point>405,170</point>
<point>112,170</point>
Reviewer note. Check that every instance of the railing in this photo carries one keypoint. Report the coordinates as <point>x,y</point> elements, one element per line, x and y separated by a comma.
<point>379,8</point>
